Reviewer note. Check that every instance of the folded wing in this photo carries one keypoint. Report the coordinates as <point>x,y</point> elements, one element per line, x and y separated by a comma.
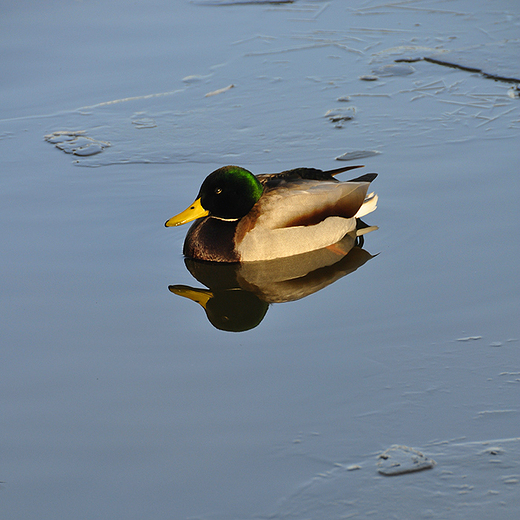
<point>307,203</point>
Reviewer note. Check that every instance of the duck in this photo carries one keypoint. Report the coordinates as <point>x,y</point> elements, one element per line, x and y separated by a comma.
<point>242,217</point>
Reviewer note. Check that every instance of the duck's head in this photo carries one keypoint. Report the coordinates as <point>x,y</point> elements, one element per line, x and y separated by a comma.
<point>229,192</point>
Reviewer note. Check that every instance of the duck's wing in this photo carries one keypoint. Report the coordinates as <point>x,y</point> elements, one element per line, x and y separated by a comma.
<point>307,202</point>
<point>274,179</point>
<point>299,215</point>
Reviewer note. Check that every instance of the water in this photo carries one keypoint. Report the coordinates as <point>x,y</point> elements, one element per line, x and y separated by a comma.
<point>121,399</point>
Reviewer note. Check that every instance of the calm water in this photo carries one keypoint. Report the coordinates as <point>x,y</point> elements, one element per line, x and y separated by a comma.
<point>121,399</point>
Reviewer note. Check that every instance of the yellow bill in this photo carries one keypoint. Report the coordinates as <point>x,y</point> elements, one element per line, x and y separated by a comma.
<point>200,296</point>
<point>193,212</point>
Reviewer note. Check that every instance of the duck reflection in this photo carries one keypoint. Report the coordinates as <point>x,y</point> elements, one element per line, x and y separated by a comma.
<point>239,295</point>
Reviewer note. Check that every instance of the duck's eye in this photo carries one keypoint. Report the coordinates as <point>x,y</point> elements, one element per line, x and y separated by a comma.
<point>218,191</point>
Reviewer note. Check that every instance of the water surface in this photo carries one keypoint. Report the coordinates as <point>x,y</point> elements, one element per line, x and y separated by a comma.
<point>121,399</point>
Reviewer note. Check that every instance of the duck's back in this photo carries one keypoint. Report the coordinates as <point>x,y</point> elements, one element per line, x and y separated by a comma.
<point>307,202</point>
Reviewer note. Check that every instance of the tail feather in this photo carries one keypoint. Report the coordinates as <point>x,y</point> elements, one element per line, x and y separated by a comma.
<point>368,177</point>
<point>369,205</point>
<point>344,169</point>
<point>365,230</point>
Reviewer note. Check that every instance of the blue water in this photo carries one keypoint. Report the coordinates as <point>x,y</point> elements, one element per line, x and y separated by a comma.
<point>119,398</point>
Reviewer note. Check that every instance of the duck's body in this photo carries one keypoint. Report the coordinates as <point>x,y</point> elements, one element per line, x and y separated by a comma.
<point>248,218</point>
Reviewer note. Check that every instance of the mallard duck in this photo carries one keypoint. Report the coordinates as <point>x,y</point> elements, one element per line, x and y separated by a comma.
<point>243,217</point>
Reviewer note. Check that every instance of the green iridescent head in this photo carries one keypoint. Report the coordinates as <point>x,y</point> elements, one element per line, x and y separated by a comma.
<point>230,192</point>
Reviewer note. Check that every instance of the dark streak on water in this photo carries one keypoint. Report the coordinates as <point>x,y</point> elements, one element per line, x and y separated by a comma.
<point>487,75</point>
